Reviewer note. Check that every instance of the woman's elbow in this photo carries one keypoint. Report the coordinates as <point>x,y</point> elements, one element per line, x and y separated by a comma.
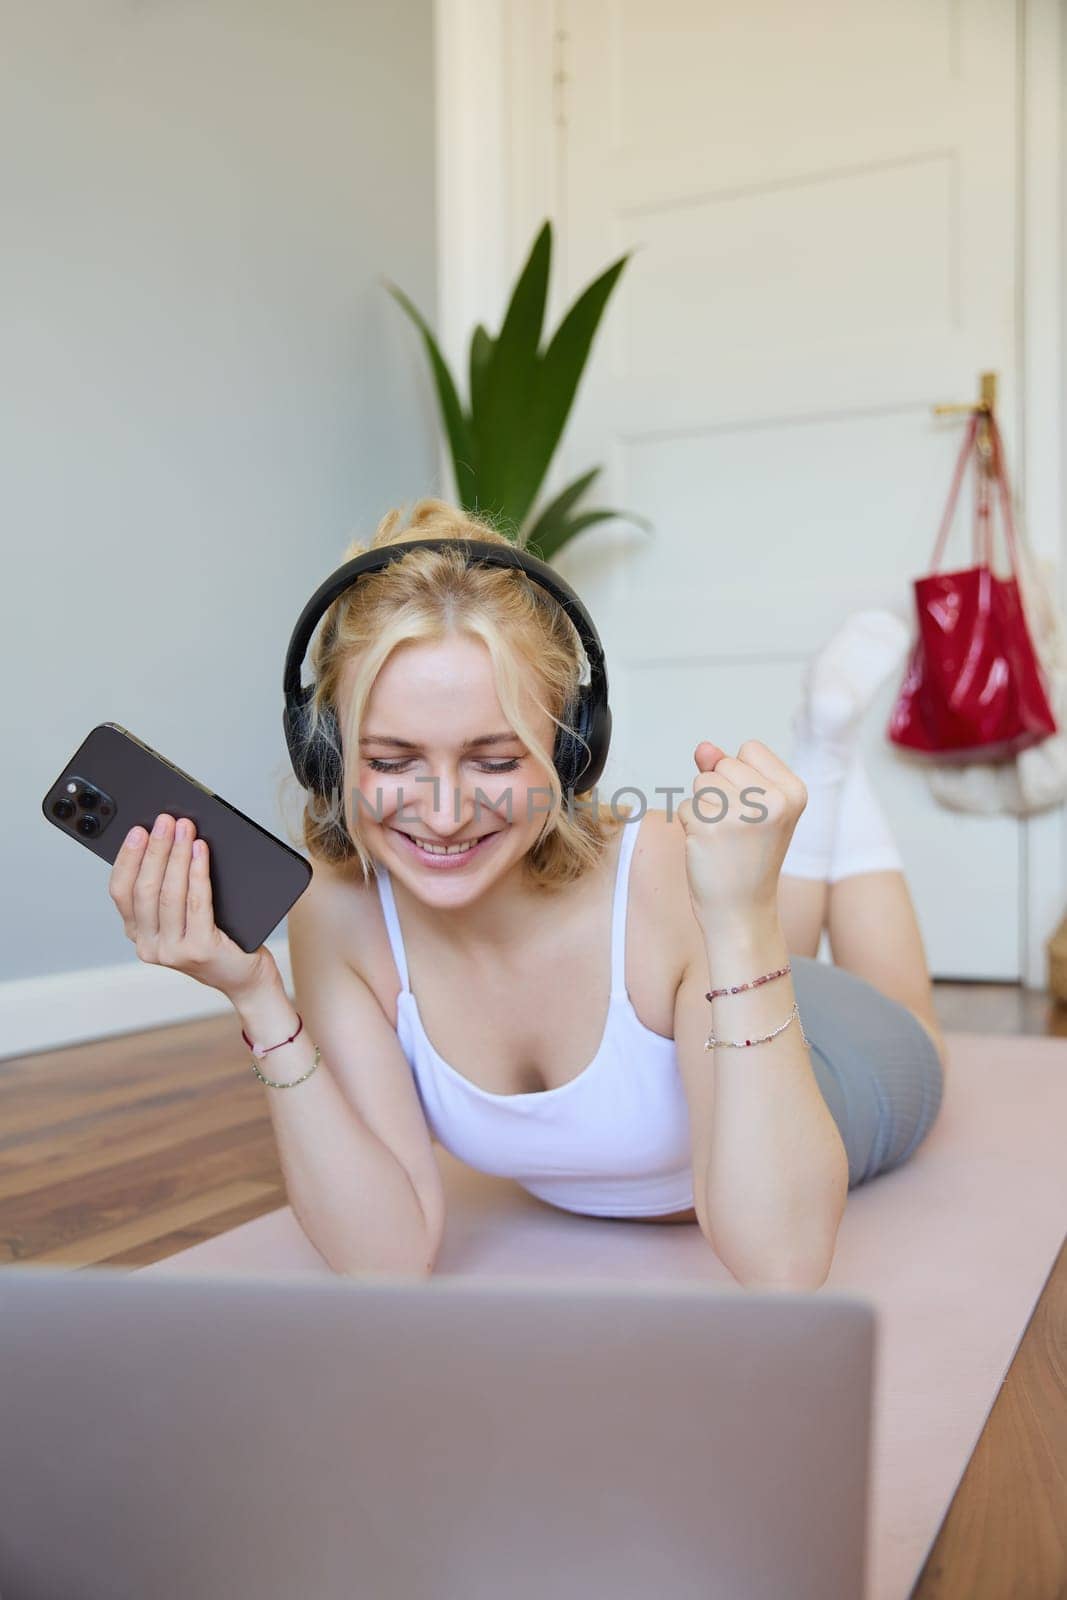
<point>804,1279</point>
<point>802,1274</point>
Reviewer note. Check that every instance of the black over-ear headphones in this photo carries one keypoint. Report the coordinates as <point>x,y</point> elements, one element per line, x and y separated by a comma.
<point>316,761</point>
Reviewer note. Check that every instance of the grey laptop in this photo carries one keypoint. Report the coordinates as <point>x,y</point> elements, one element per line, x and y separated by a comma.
<point>454,1438</point>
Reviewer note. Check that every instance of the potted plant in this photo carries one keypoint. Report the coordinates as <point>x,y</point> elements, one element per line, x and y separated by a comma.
<point>521,395</point>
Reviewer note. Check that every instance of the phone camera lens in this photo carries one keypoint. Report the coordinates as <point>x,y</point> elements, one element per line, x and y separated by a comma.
<point>88,825</point>
<point>104,808</point>
<point>88,798</point>
<point>63,809</point>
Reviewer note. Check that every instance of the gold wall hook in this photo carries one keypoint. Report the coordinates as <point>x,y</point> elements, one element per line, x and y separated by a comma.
<point>986,402</point>
<point>983,408</point>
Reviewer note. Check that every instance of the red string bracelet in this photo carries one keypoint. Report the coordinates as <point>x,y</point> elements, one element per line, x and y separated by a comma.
<point>266,1052</point>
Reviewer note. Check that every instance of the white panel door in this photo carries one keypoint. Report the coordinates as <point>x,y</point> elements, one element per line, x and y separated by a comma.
<point>821,200</point>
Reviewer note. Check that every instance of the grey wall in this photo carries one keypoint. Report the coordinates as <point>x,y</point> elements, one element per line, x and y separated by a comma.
<point>205,390</point>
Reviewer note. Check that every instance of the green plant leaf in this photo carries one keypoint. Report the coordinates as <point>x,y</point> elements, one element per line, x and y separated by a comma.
<point>528,404</point>
<point>481,356</point>
<point>519,339</point>
<point>460,436</point>
<point>498,416</point>
<point>554,540</point>
<point>564,361</point>
<point>555,513</point>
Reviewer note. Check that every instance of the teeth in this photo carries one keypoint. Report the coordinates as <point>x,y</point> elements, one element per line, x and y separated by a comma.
<point>450,850</point>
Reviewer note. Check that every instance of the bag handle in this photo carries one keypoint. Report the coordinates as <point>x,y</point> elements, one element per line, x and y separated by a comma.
<point>1007,515</point>
<point>985,468</point>
<point>982,547</point>
<point>954,493</point>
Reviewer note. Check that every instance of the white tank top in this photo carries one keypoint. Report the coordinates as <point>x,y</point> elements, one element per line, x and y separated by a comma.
<point>614,1141</point>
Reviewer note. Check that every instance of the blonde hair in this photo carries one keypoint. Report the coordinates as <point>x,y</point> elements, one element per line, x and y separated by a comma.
<point>431,595</point>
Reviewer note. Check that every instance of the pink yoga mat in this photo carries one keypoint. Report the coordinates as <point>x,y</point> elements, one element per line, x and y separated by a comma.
<point>953,1250</point>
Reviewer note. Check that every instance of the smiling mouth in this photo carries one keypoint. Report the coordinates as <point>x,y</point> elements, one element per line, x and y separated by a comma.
<point>448,855</point>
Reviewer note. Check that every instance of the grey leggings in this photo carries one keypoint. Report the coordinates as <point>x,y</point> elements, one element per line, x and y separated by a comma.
<point>875,1063</point>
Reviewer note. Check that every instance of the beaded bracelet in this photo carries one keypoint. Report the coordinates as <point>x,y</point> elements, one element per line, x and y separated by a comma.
<point>270,1082</point>
<point>739,1044</point>
<point>713,994</point>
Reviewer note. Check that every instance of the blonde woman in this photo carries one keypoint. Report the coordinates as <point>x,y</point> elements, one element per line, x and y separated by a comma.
<point>527,980</point>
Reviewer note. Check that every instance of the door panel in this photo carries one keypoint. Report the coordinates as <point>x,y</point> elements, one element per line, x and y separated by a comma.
<point>821,201</point>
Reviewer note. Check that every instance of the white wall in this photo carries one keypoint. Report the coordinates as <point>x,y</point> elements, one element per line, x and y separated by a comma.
<point>205,392</point>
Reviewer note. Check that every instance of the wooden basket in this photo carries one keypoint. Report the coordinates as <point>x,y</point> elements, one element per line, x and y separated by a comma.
<point>1057,962</point>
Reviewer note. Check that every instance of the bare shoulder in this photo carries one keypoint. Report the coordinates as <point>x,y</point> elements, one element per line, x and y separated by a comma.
<point>660,887</point>
<point>333,913</point>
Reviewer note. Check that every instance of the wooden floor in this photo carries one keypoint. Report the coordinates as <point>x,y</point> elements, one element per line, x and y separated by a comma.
<point>127,1150</point>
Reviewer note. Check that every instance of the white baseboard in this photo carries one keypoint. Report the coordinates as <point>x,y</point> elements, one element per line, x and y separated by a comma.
<point>99,1002</point>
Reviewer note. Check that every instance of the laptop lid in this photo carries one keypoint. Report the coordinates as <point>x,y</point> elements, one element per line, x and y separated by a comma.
<point>440,1439</point>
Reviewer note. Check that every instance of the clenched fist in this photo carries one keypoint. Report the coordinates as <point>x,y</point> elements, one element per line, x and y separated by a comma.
<point>738,825</point>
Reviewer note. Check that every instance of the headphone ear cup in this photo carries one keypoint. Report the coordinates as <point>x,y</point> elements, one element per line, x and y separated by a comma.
<point>599,737</point>
<point>295,728</point>
<point>569,757</point>
<point>580,768</point>
<point>316,759</point>
<point>324,756</point>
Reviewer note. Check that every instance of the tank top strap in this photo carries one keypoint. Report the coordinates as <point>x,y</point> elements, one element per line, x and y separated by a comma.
<point>392,923</point>
<point>618,915</point>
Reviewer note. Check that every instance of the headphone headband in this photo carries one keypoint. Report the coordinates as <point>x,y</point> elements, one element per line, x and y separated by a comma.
<point>316,770</point>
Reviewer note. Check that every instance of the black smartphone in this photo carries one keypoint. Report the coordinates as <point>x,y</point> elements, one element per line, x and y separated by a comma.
<point>113,781</point>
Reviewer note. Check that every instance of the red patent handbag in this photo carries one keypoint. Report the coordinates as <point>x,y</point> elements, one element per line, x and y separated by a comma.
<point>973,688</point>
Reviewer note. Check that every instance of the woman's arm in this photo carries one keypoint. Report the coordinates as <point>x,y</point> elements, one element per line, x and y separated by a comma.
<point>351,1193</point>
<point>771,1177</point>
<point>775,1176</point>
<point>355,1150</point>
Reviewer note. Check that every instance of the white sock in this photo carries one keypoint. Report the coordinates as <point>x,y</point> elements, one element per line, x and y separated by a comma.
<point>863,841</point>
<point>839,685</point>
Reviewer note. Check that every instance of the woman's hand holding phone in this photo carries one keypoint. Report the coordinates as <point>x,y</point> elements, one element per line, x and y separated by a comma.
<point>161,885</point>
